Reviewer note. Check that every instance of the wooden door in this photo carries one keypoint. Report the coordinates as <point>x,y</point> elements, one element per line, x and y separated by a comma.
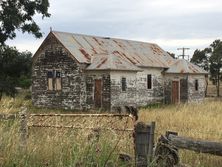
<point>98,93</point>
<point>175,91</point>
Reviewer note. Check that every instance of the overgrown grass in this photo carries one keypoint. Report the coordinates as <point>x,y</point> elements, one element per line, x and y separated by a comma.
<point>56,148</point>
<point>48,147</point>
<point>198,121</point>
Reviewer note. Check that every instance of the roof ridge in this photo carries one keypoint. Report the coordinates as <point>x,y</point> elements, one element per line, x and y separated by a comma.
<point>104,37</point>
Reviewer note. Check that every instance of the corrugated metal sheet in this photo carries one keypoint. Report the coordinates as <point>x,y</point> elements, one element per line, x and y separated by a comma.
<point>131,53</point>
<point>111,62</point>
<point>103,53</point>
<point>185,67</point>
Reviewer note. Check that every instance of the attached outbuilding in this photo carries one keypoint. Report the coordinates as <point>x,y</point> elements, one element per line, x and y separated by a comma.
<point>184,82</point>
<point>74,71</point>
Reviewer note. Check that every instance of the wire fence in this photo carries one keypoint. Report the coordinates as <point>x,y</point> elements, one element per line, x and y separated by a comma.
<point>117,128</point>
<point>85,127</point>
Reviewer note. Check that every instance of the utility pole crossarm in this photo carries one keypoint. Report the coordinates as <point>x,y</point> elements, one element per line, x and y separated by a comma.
<point>183,50</point>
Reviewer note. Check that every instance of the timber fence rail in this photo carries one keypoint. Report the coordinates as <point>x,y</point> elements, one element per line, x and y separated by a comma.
<point>168,145</point>
<point>200,146</point>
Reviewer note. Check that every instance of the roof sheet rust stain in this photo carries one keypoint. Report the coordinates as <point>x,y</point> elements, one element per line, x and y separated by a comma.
<point>118,62</point>
<point>123,55</point>
<point>128,58</point>
<point>97,41</point>
<point>182,71</point>
<point>116,52</point>
<point>86,55</point>
<point>156,50</point>
<point>102,62</point>
<point>118,43</point>
<point>94,50</point>
<point>136,59</point>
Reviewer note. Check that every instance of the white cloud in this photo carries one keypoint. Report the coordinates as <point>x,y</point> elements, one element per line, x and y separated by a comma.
<point>169,23</point>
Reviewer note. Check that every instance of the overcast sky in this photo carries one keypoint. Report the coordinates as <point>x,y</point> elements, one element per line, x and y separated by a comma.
<point>169,23</point>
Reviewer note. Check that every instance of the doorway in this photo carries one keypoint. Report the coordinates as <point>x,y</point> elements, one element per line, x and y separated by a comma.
<point>98,93</point>
<point>175,92</point>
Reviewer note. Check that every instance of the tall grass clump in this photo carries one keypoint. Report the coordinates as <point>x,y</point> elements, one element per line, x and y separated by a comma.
<point>13,105</point>
<point>60,148</point>
<point>195,120</point>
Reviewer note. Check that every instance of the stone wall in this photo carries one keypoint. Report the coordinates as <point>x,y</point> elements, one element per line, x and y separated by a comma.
<point>53,56</point>
<point>91,76</point>
<point>136,92</point>
<point>78,84</point>
<point>196,95</point>
<point>183,87</point>
<point>187,92</point>
<point>147,96</point>
<point>119,97</point>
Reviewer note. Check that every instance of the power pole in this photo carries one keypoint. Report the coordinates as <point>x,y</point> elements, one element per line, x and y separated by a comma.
<point>183,52</point>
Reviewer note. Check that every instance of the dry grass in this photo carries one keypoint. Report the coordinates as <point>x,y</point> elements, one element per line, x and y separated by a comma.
<point>66,148</point>
<point>54,149</point>
<point>199,121</point>
<point>59,147</point>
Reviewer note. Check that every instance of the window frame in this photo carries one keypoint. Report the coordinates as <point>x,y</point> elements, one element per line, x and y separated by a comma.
<point>55,79</point>
<point>196,84</point>
<point>149,82</point>
<point>123,84</point>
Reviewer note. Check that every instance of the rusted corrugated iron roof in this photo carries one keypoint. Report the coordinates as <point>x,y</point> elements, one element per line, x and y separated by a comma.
<point>185,67</point>
<point>111,62</point>
<point>87,49</point>
<point>103,53</point>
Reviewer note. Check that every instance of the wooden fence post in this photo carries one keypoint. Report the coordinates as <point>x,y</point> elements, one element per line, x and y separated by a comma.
<point>144,142</point>
<point>151,141</point>
<point>23,128</point>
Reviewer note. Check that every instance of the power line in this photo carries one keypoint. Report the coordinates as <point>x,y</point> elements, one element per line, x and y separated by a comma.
<point>183,52</point>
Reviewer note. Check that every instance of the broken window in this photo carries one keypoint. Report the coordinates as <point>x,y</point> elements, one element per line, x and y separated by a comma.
<point>54,80</point>
<point>149,81</point>
<point>58,84</point>
<point>123,84</point>
<point>50,80</point>
<point>196,85</point>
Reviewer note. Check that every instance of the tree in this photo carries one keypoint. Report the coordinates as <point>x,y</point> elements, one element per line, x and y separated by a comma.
<point>201,58</point>
<point>18,15</point>
<point>15,70</point>
<point>15,66</point>
<point>216,64</point>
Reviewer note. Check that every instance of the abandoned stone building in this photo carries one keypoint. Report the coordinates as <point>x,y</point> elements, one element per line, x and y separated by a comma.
<point>75,71</point>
